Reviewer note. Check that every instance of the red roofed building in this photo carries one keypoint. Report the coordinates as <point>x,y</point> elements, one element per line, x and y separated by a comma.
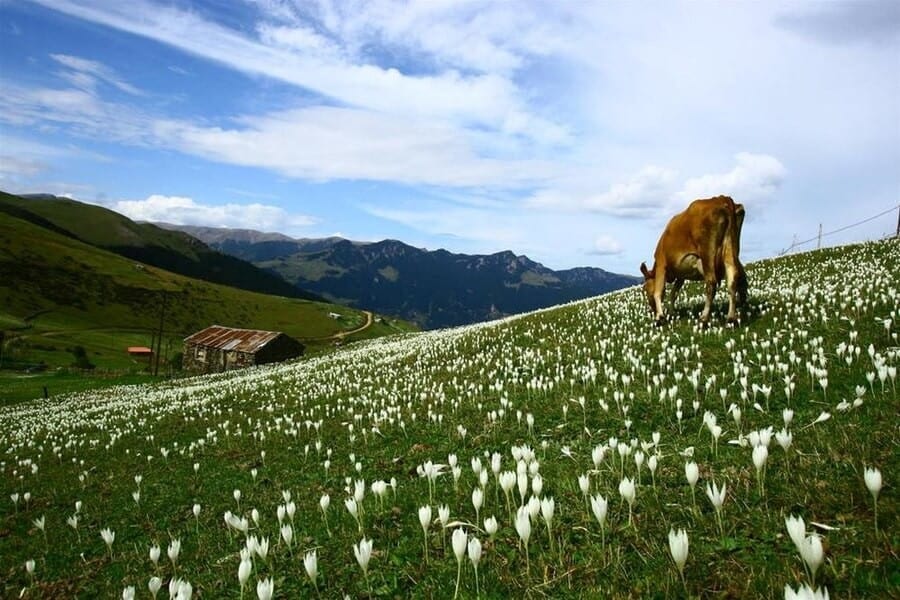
<point>140,351</point>
<point>216,349</point>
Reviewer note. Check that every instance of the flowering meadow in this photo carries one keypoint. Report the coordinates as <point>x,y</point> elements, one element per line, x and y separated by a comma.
<point>578,451</point>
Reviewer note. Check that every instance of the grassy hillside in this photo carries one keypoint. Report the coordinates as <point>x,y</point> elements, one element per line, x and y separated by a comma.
<point>170,250</point>
<point>590,393</point>
<point>57,292</point>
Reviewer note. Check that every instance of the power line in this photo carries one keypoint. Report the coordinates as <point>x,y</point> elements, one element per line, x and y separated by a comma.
<point>820,235</point>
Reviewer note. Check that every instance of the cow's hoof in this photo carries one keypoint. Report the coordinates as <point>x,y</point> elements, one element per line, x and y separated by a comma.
<point>704,323</point>
<point>660,321</point>
<point>733,321</point>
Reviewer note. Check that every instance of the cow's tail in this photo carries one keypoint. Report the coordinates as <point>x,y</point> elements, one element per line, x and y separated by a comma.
<point>737,224</point>
<point>734,248</point>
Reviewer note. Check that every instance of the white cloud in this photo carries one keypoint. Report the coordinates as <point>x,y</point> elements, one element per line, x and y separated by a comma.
<point>505,105</point>
<point>81,111</point>
<point>755,177</point>
<point>655,192</point>
<point>25,161</point>
<point>297,38</point>
<point>14,167</point>
<point>317,143</point>
<point>484,100</point>
<point>325,143</point>
<point>84,74</point>
<point>180,210</point>
<point>642,195</point>
<point>606,245</point>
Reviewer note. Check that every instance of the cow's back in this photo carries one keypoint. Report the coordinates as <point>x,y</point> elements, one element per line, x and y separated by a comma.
<point>703,224</point>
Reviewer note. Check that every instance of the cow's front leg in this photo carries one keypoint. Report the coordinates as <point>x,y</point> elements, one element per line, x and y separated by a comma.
<point>658,293</point>
<point>676,287</point>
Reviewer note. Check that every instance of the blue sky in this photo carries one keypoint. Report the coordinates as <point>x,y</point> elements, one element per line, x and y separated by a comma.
<point>566,131</point>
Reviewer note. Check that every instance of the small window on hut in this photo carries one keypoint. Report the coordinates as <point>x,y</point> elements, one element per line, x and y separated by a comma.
<point>201,354</point>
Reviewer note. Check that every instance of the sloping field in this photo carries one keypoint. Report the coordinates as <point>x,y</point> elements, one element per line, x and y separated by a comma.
<point>588,414</point>
<point>57,292</point>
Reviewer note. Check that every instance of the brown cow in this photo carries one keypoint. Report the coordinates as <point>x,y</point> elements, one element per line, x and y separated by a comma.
<point>701,243</point>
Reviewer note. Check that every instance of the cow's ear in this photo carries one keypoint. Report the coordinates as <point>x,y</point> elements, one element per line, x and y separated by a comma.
<point>644,270</point>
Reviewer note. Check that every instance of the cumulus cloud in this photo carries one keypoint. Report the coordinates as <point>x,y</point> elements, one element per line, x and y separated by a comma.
<point>654,191</point>
<point>606,245</point>
<point>180,210</point>
<point>639,196</point>
<point>754,177</point>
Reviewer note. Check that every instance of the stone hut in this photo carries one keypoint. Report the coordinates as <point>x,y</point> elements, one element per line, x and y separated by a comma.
<point>216,349</point>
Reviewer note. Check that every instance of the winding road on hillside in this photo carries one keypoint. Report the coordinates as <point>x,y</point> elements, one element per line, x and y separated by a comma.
<point>343,334</point>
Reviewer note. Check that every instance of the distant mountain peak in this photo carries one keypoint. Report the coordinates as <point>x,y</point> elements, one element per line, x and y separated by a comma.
<point>434,288</point>
<point>213,234</point>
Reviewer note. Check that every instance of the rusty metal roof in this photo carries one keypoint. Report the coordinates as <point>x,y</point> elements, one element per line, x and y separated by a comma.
<point>228,338</point>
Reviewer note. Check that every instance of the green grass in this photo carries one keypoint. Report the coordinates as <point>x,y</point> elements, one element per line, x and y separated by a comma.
<point>173,251</point>
<point>16,387</point>
<point>57,293</point>
<point>406,398</point>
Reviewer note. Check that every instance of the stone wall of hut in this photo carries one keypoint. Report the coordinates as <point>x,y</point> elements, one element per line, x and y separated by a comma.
<point>203,359</point>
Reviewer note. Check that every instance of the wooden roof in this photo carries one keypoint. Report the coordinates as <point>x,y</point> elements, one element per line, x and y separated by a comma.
<point>229,338</point>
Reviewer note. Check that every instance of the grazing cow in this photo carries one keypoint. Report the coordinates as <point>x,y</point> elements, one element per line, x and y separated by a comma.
<point>701,243</point>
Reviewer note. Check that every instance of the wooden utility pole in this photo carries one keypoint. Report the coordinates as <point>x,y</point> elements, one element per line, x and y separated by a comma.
<point>898,223</point>
<point>152,346</point>
<point>162,319</point>
<point>819,245</point>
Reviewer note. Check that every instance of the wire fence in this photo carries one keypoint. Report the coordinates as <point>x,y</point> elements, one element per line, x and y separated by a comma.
<point>818,238</point>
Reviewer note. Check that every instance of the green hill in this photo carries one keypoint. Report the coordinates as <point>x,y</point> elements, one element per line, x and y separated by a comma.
<point>170,250</point>
<point>588,394</point>
<point>57,293</point>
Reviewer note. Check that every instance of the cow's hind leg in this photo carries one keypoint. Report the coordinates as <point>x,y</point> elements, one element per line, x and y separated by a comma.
<point>732,276</point>
<point>742,288</point>
<point>711,285</point>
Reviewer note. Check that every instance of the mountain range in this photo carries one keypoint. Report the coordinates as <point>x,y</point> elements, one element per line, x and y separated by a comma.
<point>433,288</point>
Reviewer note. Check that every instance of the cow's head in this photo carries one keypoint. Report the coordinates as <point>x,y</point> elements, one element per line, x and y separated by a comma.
<point>649,285</point>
